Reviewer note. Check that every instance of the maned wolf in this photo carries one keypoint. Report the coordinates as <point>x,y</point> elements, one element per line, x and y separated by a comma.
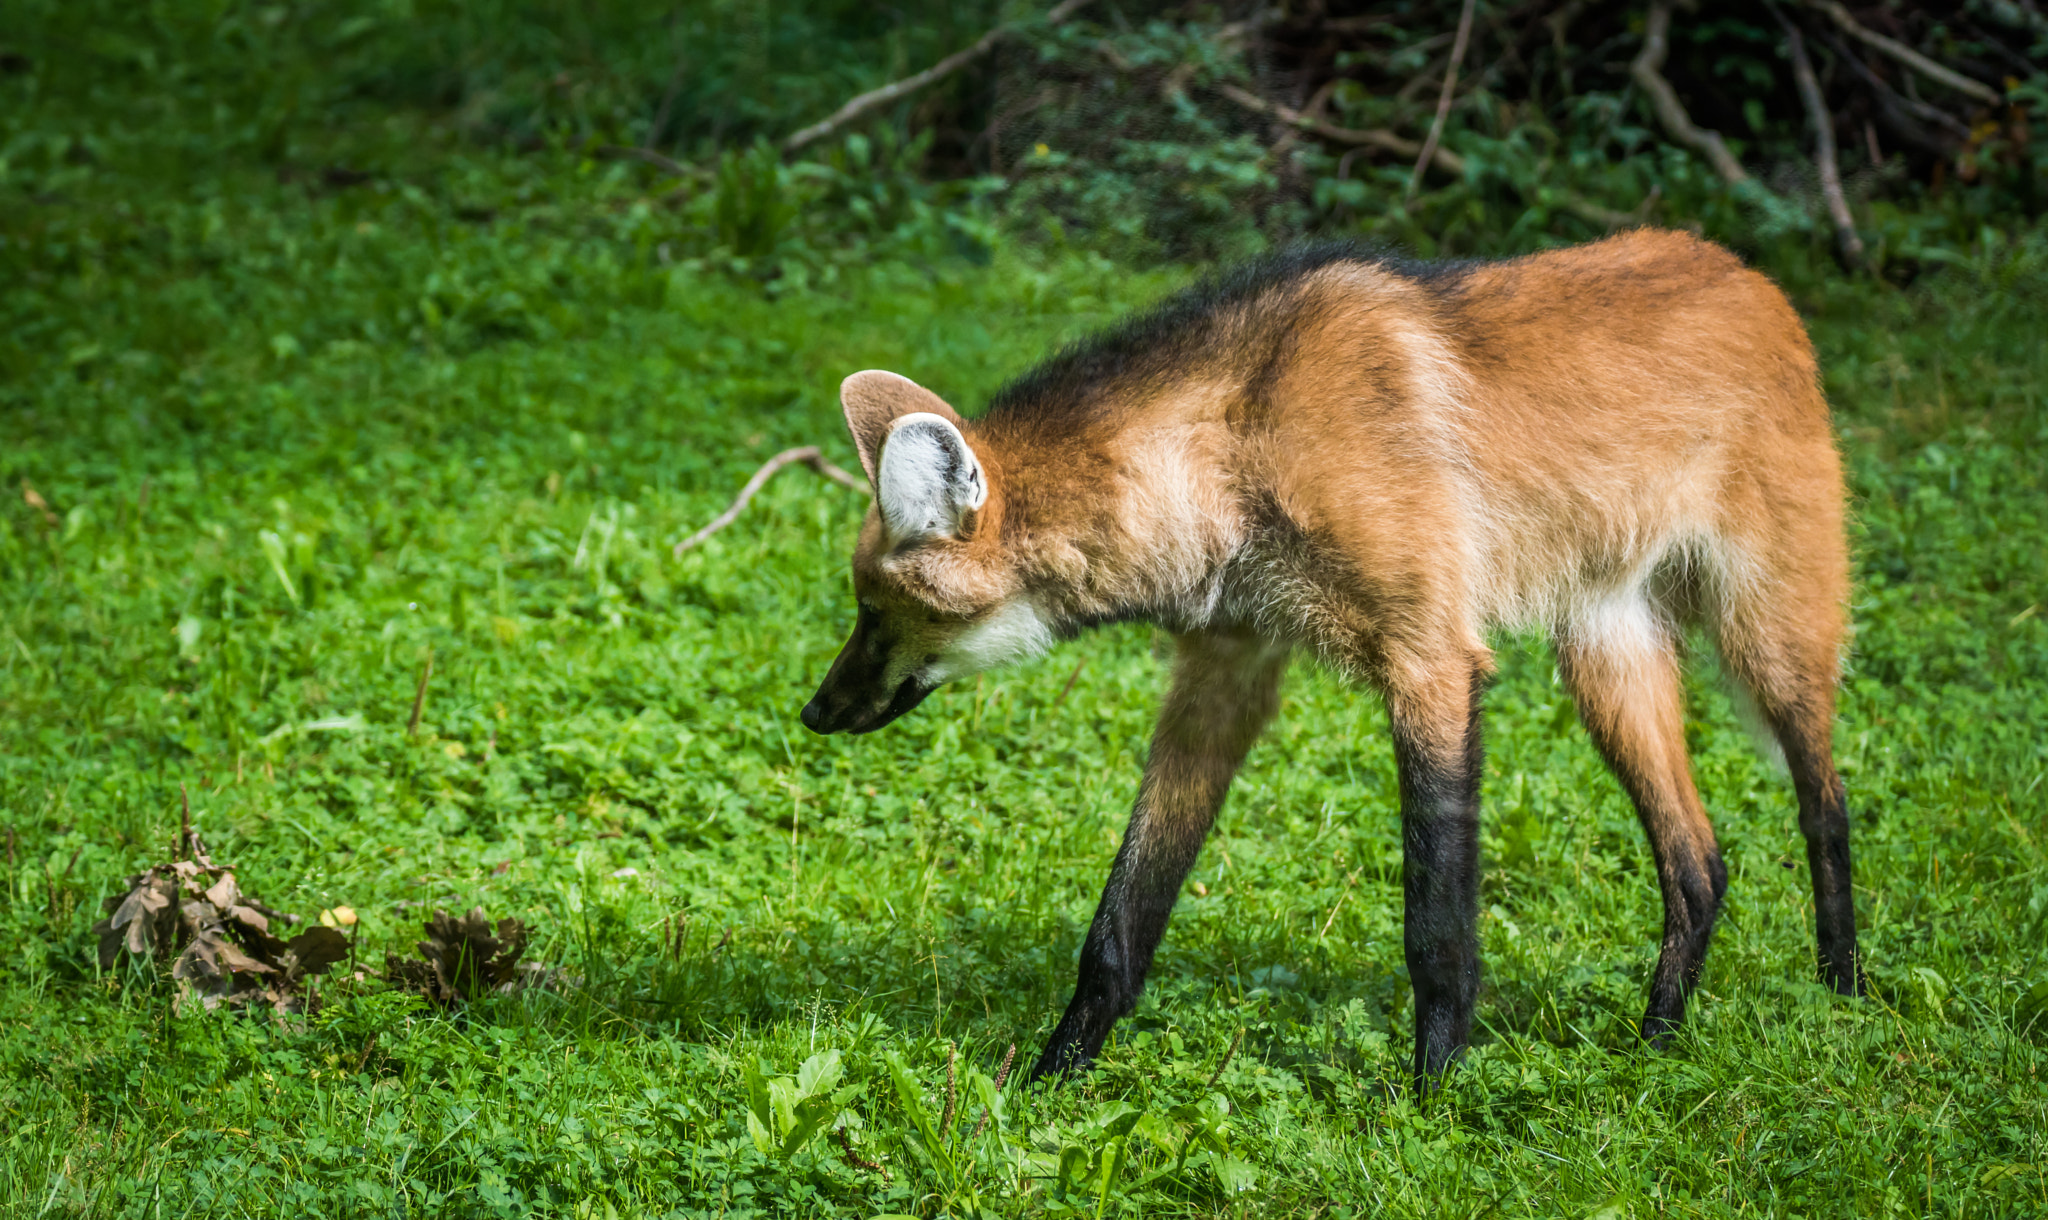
<point>1379,462</point>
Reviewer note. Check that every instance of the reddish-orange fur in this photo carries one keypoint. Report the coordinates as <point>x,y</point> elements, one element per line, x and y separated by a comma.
<point>1381,464</point>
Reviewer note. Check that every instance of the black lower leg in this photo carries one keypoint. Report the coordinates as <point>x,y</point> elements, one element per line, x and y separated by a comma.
<point>1824,820</point>
<point>1440,883</point>
<point>1693,888</point>
<point>1125,933</point>
<point>1225,689</point>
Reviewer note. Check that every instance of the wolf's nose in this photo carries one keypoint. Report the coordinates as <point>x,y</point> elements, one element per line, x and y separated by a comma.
<point>813,715</point>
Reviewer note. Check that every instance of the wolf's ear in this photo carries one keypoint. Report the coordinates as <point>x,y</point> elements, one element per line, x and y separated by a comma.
<point>874,399</point>
<point>929,484</point>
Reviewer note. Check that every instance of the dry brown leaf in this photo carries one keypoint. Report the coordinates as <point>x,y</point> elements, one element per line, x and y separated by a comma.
<point>464,959</point>
<point>219,939</point>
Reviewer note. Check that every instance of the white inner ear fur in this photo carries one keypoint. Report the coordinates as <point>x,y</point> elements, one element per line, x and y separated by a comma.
<point>927,480</point>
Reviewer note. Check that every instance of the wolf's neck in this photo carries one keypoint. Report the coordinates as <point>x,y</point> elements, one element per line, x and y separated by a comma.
<point>1142,528</point>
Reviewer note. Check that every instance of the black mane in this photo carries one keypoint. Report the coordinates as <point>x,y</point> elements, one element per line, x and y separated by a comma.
<point>1178,332</point>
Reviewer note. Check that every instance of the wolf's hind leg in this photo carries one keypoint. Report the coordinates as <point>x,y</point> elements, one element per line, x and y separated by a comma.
<point>1225,689</point>
<point>1621,666</point>
<point>1784,652</point>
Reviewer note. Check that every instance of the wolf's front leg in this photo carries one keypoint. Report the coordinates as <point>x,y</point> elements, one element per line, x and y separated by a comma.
<point>1437,748</point>
<point>1225,688</point>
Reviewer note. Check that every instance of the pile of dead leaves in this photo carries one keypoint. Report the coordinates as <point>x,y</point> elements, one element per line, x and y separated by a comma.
<point>466,959</point>
<point>220,938</point>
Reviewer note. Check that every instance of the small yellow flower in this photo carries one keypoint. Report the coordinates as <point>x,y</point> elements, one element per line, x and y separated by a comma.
<point>1043,150</point>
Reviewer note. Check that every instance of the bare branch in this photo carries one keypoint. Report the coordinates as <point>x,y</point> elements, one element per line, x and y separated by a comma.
<point>1823,125</point>
<point>1374,137</point>
<point>1647,71</point>
<point>667,165</point>
<point>807,454</point>
<point>876,98</point>
<point>1443,98</point>
<point>1888,97</point>
<point>1907,55</point>
<point>419,695</point>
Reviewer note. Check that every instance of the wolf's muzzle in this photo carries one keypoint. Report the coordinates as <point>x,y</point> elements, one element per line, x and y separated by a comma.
<point>828,712</point>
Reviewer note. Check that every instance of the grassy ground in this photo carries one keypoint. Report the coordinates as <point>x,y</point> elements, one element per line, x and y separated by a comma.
<point>293,436</point>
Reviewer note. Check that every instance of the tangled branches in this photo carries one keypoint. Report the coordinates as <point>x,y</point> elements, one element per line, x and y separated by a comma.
<point>1311,106</point>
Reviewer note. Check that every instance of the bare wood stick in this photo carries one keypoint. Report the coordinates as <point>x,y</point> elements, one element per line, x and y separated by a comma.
<point>1646,71</point>
<point>876,98</point>
<point>1443,97</point>
<point>1227,1057</point>
<point>1371,137</point>
<point>807,454</point>
<point>1823,145</point>
<point>667,165</point>
<point>1068,689</point>
<point>419,696</point>
<point>1907,55</point>
<point>1913,106</point>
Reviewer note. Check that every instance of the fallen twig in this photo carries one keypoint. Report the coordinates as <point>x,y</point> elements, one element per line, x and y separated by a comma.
<point>667,165</point>
<point>807,454</point>
<point>1372,137</point>
<point>1068,689</point>
<point>419,696</point>
<point>1907,55</point>
<point>1823,144</point>
<point>1890,98</point>
<point>1646,71</point>
<point>1227,1057</point>
<point>874,98</point>
<point>1443,100</point>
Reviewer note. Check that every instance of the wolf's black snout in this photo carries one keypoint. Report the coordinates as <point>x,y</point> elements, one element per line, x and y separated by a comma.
<point>813,716</point>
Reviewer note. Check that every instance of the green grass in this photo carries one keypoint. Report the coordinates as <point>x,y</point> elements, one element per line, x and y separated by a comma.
<point>475,406</point>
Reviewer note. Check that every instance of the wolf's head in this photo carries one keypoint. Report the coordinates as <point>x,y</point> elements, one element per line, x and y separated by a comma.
<point>938,598</point>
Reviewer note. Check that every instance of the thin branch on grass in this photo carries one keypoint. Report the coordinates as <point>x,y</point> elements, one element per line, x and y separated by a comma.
<point>419,696</point>
<point>1907,55</point>
<point>1068,689</point>
<point>667,165</point>
<point>1824,158</point>
<point>1227,1057</point>
<point>807,454</point>
<point>875,98</point>
<point>1647,71</point>
<point>1443,98</point>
